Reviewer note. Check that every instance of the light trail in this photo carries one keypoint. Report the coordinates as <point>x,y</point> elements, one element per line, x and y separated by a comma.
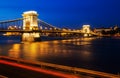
<point>54,73</point>
<point>86,71</point>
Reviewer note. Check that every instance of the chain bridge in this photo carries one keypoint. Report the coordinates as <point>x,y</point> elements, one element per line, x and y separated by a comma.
<point>31,27</point>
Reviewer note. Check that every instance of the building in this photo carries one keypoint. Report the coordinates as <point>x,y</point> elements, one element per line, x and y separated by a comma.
<point>99,30</point>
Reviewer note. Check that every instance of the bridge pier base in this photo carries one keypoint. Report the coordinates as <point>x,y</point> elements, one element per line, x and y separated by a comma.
<point>30,36</point>
<point>87,35</point>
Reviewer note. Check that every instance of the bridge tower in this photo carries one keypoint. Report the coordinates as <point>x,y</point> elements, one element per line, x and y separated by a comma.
<point>86,30</point>
<point>30,22</point>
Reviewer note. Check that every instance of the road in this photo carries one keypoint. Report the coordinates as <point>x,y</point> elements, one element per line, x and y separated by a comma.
<point>15,70</point>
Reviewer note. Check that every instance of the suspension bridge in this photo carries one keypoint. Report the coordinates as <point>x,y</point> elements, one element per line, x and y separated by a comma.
<point>30,27</point>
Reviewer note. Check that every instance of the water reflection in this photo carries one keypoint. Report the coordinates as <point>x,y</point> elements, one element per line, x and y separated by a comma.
<point>81,41</point>
<point>83,52</point>
<point>14,51</point>
<point>86,56</point>
<point>51,49</point>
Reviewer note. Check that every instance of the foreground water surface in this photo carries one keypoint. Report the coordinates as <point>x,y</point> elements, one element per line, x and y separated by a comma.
<point>101,54</point>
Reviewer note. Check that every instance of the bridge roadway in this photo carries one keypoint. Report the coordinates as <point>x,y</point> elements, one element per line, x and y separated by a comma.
<point>77,71</point>
<point>41,31</point>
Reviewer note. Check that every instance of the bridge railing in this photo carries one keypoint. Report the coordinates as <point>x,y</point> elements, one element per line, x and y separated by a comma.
<point>75,70</point>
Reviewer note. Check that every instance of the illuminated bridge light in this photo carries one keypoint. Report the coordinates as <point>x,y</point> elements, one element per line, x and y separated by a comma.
<point>29,12</point>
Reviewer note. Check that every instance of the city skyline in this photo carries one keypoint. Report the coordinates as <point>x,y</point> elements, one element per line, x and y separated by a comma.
<point>66,13</point>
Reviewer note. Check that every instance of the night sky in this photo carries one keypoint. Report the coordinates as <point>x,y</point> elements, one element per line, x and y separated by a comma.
<point>66,13</point>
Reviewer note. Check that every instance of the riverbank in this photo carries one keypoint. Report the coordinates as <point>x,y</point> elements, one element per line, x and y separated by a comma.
<point>19,69</point>
<point>56,69</point>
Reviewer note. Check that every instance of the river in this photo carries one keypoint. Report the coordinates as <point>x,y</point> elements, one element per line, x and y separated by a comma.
<point>101,54</point>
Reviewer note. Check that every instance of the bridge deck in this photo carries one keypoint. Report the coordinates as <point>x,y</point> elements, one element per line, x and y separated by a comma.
<point>40,31</point>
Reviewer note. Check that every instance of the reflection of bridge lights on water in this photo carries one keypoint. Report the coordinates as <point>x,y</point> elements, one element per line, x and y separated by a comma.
<point>79,41</point>
<point>43,50</point>
<point>86,55</point>
<point>55,41</point>
<point>15,51</point>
